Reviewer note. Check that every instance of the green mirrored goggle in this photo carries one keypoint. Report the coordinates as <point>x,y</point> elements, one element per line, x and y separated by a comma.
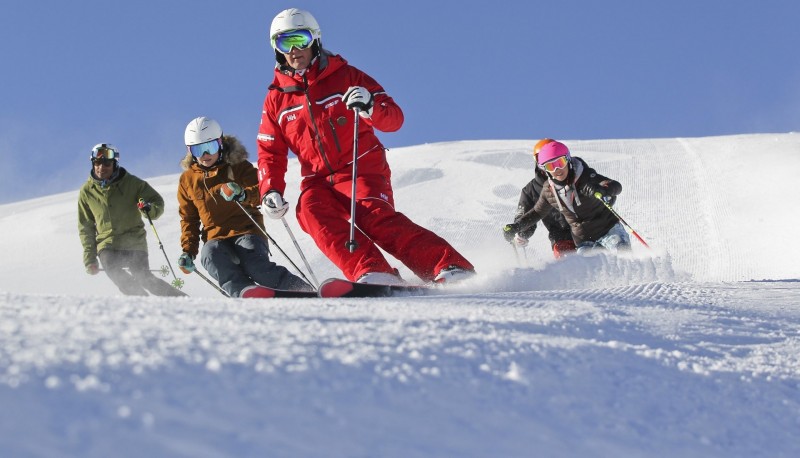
<point>300,39</point>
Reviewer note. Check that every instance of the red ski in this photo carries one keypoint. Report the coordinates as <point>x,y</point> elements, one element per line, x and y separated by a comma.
<point>337,287</point>
<point>263,292</point>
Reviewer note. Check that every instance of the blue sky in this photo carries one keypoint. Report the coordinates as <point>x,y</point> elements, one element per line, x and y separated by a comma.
<point>135,73</point>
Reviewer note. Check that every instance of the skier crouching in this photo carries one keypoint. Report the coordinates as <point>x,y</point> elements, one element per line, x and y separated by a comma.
<point>558,230</point>
<point>218,203</point>
<point>576,190</point>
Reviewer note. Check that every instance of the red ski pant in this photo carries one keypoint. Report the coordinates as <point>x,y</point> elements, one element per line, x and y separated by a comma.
<point>323,212</point>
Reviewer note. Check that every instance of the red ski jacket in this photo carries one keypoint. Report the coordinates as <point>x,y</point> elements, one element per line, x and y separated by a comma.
<point>303,112</point>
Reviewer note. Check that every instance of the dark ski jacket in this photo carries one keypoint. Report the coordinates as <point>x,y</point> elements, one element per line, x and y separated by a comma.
<point>588,218</point>
<point>557,227</point>
<point>205,214</point>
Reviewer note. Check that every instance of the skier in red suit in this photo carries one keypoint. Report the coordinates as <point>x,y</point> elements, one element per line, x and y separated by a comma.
<point>309,110</point>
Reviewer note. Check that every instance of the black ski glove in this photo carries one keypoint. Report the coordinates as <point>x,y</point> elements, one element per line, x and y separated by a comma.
<point>509,231</point>
<point>143,206</point>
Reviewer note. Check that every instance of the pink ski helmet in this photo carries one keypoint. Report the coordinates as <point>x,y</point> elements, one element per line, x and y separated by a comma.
<point>551,151</point>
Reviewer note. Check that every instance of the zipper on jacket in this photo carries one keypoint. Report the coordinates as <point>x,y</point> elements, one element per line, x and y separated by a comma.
<point>316,128</point>
<point>335,137</point>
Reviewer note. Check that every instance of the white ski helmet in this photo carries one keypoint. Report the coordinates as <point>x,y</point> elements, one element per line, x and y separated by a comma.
<point>201,130</point>
<point>293,19</point>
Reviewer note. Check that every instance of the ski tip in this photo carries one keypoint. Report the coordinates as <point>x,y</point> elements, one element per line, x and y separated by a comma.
<point>335,287</point>
<point>257,292</point>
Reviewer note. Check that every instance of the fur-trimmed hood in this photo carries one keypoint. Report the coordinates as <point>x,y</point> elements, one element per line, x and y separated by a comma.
<point>233,152</point>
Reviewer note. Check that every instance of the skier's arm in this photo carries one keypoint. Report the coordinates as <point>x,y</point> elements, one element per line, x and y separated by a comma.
<point>527,199</point>
<point>190,221</point>
<point>534,215</point>
<point>87,230</point>
<point>386,114</point>
<point>273,155</point>
<point>152,197</point>
<point>249,183</point>
<point>593,182</point>
<point>613,187</point>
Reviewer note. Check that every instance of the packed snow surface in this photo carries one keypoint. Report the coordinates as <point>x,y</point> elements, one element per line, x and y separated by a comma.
<point>691,348</point>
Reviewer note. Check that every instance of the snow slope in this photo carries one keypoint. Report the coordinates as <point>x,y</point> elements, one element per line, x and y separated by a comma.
<point>689,349</point>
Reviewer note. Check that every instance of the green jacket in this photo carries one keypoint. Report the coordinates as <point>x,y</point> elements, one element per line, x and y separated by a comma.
<point>108,216</point>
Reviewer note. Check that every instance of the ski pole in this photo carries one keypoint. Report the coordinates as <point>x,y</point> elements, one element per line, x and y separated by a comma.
<point>177,283</point>
<point>352,244</point>
<point>302,256</point>
<point>273,242</point>
<point>599,197</point>
<point>211,282</point>
<point>516,253</point>
<point>508,230</point>
<point>151,270</point>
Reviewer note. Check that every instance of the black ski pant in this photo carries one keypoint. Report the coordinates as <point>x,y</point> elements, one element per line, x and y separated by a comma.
<point>137,280</point>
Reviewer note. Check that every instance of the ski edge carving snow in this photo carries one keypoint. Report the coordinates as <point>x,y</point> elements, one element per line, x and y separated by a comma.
<point>337,287</point>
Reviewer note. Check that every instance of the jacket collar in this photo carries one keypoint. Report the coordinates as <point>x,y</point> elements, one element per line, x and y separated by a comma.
<point>576,169</point>
<point>565,191</point>
<point>288,80</point>
<point>118,174</point>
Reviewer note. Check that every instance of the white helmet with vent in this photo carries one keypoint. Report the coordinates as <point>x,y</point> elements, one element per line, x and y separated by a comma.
<point>293,19</point>
<point>201,130</point>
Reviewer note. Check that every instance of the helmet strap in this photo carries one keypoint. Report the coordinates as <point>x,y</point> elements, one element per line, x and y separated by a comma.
<point>280,58</point>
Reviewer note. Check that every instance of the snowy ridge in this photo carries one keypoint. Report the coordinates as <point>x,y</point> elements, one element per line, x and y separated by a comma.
<point>689,349</point>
